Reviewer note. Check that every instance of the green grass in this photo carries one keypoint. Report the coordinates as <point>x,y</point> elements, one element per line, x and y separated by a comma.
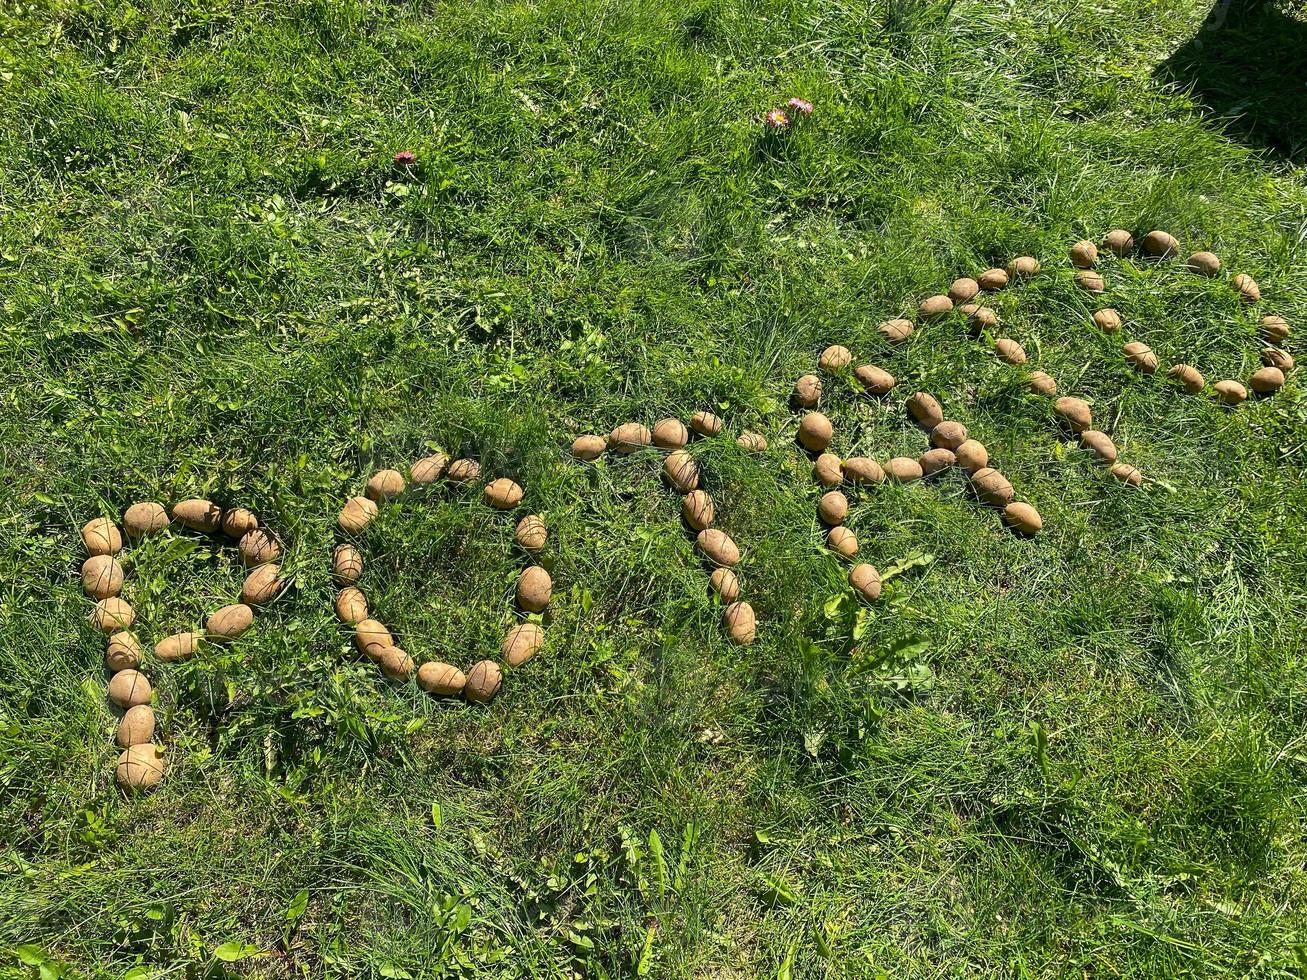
<point>1075,755</point>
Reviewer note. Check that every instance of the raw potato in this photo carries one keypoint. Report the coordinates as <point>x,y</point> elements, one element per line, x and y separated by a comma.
<point>262,585</point>
<point>531,534</point>
<point>102,537</point>
<point>833,507</point>
<point>875,380</point>
<point>1090,281</point>
<point>238,522</point>
<point>371,635</point>
<point>670,434</point>
<point>259,547</point>
<point>842,541</point>
<point>718,547</point>
<point>628,437</point>
<point>588,448</point>
<point>896,331</point>
<point>863,469</point>
<point>144,519</point>
<point>972,455</point>
<point>463,471</point>
<point>1230,392</point>
<point>1107,320</point>
<point>1266,380</point>
<point>815,432</point>
<point>347,564</point>
<point>229,622</point>
<point>123,652</point>
<point>980,318</point>
<point>902,469</point>
<point>1161,245</point>
<point>1247,288</point>
<point>1100,444</point>
<point>697,509</point>
<point>935,461</point>
<point>384,485</point>
<point>429,469</point>
<point>395,663</point>
<point>1189,377</point>
<point>1277,358</point>
<point>1042,384</point>
<point>866,580</point>
<point>178,646</point>
<point>1084,255</point>
<point>1010,351</point>
<point>1023,267</point>
<point>113,614</point>
<point>1127,474</point>
<point>199,515</point>
<point>351,605</point>
<point>357,514</point>
<point>681,471</point>
<point>992,487</point>
<point>139,768</point>
<point>503,494</point>
<point>522,643</point>
<point>128,688</point>
<point>827,470</point>
<point>925,410</point>
<point>1140,356</point>
<point>1204,264</point>
<point>1075,412</point>
<point>948,435</point>
<point>102,576</point>
<point>1275,329</point>
<point>963,290</point>
<point>726,584</point>
<point>741,623</point>
<point>807,391</point>
<point>534,589</point>
<point>752,442</point>
<point>935,306</point>
<point>442,680</point>
<point>1023,518</point>
<point>1119,242</point>
<point>483,682</point>
<point>992,279</point>
<point>706,423</point>
<point>835,358</point>
<point>136,726</point>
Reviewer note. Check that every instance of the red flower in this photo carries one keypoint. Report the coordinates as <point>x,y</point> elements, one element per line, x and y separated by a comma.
<point>776,119</point>
<point>801,106</point>
<point>405,158</point>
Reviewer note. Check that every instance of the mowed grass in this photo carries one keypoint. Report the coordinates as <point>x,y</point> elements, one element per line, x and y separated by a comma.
<point>1075,755</point>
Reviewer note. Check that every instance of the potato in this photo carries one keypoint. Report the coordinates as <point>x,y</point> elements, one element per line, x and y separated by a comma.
<point>371,635</point>
<point>681,471</point>
<point>863,469</point>
<point>1247,288</point>
<point>1189,377</point>
<point>971,455</point>
<point>531,534</point>
<point>441,680</point>
<point>865,580</point>
<point>394,662</point>
<point>502,494</point>
<point>1127,474</point>
<point>1266,380</point>
<point>522,643</point>
<point>741,623</point>
<point>462,471</point>
<point>815,432</point>
<point>102,537</point>
<point>238,522</point>
<point>948,435</point>
<point>833,507</point>
<point>1140,356</point>
<point>807,391</point>
<point>670,434</point>
<point>258,547</point>
<point>347,564</point>
<point>136,726</point>
<point>178,646</point>
<point>963,290</point>
<point>628,437</point>
<point>589,448</point>
<point>842,541</point>
<point>1022,518</point>
<point>706,423</point>
<point>123,652</point>
<point>835,358</point>
<point>925,410</point>
<point>102,576</point>
<point>262,585</point>
<point>1042,384</point>
<point>827,470</point>
<point>1107,320</point>
<point>1275,329</point>
<point>1010,351</point>
<point>198,515</point>
<point>980,318</point>
<point>384,485</point>
<point>1100,444</point>
<point>113,614</point>
<point>1090,281</point>
<point>902,469</point>
<point>1119,242</point>
<point>698,510</point>
<point>1204,264</point>
<point>896,331</point>
<point>992,487</point>
<point>144,519</point>
<point>128,688</point>
<point>874,380</point>
<point>483,682</point>
<point>752,442</point>
<point>1161,245</point>
<point>935,306</point>
<point>718,547</point>
<point>357,514</point>
<point>351,605</point>
<point>1230,392</point>
<point>228,622</point>
<point>1084,255</point>
<point>1023,267</point>
<point>534,589</point>
<point>1277,358</point>
<point>139,768</point>
<point>726,584</point>
<point>992,279</point>
<point>1075,412</point>
<point>935,461</point>
<point>429,469</point>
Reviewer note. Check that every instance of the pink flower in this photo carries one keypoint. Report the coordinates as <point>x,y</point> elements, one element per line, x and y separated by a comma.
<point>405,158</point>
<point>801,106</point>
<point>776,119</point>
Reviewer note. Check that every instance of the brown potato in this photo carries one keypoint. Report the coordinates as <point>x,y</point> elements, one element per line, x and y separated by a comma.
<point>963,290</point>
<point>589,448</point>
<point>972,455</point>
<point>394,662</point>
<point>139,768</point>
<point>1266,380</point>
<point>144,519</point>
<point>925,410</point>
<point>1140,356</point>
<point>865,580</point>
<point>807,391</point>
<point>992,487</point>
<point>1084,255</point>
<point>815,432</point>
<point>503,494</point>
<point>1010,351</point>
<point>384,485</point>
<point>483,682</point>
<point>136,726</point>
<point>347,564</point>
<point>896,331</point>
<point>1189,377</point>
<point>935,461</point>
<point>903,469</point>
<point>1275,329</point>
<point>863,469</point>
<point>178,646</point>
<point>992,279</point>
<point>827,470</point>
<point>113,614</point>
<point>429,469</point>
<point>1277,358</point>
<point>1090,281</point>
<point>522,643</point>
<point>357,514</point>
<point>128,688</point>
<point>980,318</point>
<point>258,547</point>
<point>1119,242</point>
<point>706,423</point>
<point>531,534</point>
<point>262,585</point>
<point>1161,245</point>
<point>371,635</point>
<point>534,589</point>
<point>670,433</point>
<point>1230,392</point>
<point>741,623</point>
<point>1247,288</point>
<point>1022,518</point>
<point>1107,320</point>
<point>628,437</point>
<point>238,522</point>
<point>1075,413</point>
<point>697,509</point>
<point>726,584</point>
<point>1023,267</point>
<point>835,358</point>
<point>842,541</point>
<point>228,622</point>
<point>718,547</point>
<point>123,652</point>
<point>102,537</point>
<point>935,306</point>
<point>1100,444</point>
<point>441,680</point>
<point>462,471</point>
<point>102,576</point>
<point>874,380</point>
<point>753,442</point>
<point>833,507</point>
<point>1042,384</point>
<point>948,435</point>
<point>198,515</point>
<point>1204,264</point>
<point>1127,474</point>
<point>681,471</point>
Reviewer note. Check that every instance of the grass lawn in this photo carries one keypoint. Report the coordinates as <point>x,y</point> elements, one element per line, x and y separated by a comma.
<point>1078,754</point>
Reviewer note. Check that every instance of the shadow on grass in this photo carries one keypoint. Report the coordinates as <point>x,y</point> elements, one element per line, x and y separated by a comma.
<point>1248,66</point>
